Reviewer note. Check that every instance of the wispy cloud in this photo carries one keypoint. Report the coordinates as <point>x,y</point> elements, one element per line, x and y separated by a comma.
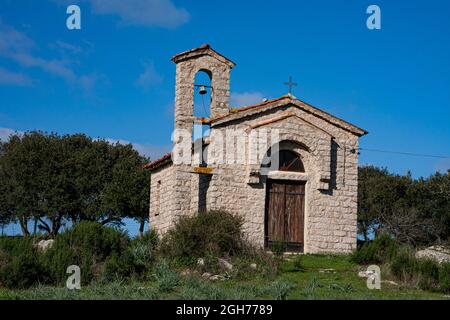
<point>149,76</point>
<point>157,13</point>
<point>246,98</point>
<point>14,78</point>
<point>18,47</point>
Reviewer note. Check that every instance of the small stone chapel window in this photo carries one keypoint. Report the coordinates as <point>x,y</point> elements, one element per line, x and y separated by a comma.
<point>290,161</point>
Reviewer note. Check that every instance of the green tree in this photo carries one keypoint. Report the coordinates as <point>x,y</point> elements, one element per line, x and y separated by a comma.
<point>52,179</point>
<point>412,211</point>
<point>128,192</point>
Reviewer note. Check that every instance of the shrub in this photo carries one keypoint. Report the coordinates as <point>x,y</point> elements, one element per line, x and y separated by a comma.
<point>143,249</point>
<point>166,278</point>
<point>403,264</point>
<point>88,245</point>
<point>23,270</point>
<point>213,233</point>
<point>14,246</point>
<point>278,248</point>
<point>380,250</point>
<point>121,267</point>
<point>444,277</point>
<point>428,273</point>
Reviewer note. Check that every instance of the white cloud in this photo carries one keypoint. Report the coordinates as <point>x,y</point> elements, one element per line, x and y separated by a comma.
<point>5,133</point>
<point>246,98</point>
<point>149,76</point>
<point>158,13</point>
<point>14,78</point>
<point>18,47</point>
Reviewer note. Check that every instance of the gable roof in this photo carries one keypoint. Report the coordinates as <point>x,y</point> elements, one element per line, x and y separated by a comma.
<point>283,101</point>
<point>204,49</point>
<point>237,114</point>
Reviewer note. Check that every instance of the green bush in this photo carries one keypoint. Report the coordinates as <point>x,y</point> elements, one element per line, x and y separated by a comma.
<point>428,273</point>
<point>143,249</point>
<point>213,233</point>
<point>166,278</point>
<point>403,265</point>
<point>21,265</point>
<point>117,268</point>
<point>444,277</point>
<point>278,247</point>
<point>382,249</point>
<point>14,246</point>
<point>87,245</point>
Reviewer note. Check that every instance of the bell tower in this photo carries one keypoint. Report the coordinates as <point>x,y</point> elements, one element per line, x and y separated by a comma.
<point>188,64</point>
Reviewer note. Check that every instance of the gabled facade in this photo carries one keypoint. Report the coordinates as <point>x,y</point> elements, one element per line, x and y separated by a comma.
<point>288,168</point>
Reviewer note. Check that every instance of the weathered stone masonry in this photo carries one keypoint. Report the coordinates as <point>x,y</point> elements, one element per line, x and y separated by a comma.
<point>325,144</point>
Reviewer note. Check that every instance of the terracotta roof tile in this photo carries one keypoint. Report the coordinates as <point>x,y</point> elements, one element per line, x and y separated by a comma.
<point>158,162</point>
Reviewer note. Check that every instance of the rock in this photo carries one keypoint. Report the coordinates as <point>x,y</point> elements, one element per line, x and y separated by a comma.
<point>185,272</point>
<point>253,266</point>
<point>366,273</point>
<point>206,275</point>
<point>217,277</point>
<point>201,262</point>
<point>225,264</point>
<point>390,282</point>
<point>44,245</point>
<point>438,253</point>
<point>327,270</point>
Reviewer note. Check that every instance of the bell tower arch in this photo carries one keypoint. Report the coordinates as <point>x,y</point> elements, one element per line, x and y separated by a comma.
<point>188,64</point>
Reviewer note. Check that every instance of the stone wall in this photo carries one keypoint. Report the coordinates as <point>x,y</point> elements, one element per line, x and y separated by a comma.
<point>162,199</point>
<point>330,213</point>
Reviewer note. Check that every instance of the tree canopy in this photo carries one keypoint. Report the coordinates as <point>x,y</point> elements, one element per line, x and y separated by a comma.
<point>412,211</point>
<point>52,179</point>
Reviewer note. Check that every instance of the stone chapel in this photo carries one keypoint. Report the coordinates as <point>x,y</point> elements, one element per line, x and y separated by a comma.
<point>289,169</point>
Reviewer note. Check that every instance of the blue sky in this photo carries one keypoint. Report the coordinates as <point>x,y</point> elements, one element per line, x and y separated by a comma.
<point>114,78</point>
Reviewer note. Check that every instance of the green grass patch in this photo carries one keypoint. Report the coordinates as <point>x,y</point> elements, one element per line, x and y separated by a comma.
<point>300,277</point>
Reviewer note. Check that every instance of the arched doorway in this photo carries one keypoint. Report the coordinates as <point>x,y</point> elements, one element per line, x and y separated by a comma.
<point>285,204</point>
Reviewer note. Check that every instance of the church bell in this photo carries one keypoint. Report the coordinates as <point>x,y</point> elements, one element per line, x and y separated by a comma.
<point>202,90</point>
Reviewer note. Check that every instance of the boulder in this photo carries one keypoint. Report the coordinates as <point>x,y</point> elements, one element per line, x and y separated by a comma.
<point>224,264</point>
<point>44,245</point>
<point>201,262</point>
<point>438,253</point>
<point>217,277</point>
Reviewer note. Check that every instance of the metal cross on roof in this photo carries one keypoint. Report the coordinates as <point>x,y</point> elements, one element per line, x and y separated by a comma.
<point>290,84</point>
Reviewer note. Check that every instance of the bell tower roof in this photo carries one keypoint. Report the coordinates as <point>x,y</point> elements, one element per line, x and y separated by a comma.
<point>204,49</point>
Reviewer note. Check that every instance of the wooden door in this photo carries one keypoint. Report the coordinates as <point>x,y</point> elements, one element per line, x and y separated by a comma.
<point>285,213</point>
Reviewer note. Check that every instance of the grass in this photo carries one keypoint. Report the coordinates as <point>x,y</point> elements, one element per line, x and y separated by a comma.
<point>304,277</point>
